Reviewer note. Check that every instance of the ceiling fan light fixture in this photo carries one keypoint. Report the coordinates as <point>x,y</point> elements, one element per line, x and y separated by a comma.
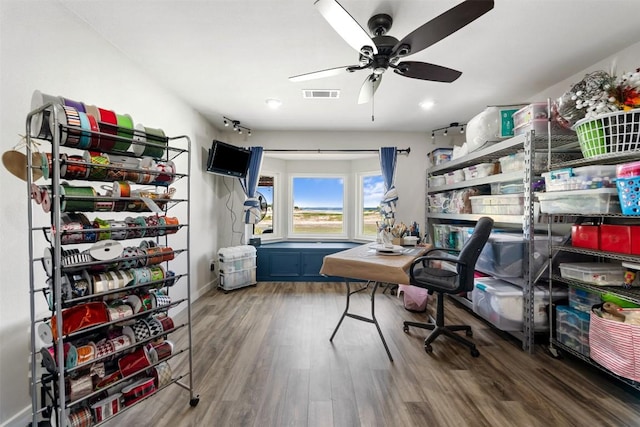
<point>273,103</point>
<point>427,105</point>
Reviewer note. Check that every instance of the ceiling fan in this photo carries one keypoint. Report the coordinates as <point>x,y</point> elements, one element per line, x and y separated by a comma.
<point>383,51</point>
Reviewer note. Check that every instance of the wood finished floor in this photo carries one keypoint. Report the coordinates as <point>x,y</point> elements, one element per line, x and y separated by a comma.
<point>262,357</point>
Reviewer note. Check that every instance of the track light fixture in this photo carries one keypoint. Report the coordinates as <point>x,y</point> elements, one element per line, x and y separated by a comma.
<point>445,129</point>
<point>236,125</point>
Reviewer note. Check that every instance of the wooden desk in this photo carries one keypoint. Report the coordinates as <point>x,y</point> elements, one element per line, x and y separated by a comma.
<point>364,263</point>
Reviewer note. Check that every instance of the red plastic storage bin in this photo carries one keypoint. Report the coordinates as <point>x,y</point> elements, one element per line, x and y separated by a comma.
<point>586,236</point>
<point>635,239</point>
<point>615,238</point>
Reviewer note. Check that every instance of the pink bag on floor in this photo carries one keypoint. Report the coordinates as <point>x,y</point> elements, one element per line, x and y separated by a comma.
<point>415,298</point>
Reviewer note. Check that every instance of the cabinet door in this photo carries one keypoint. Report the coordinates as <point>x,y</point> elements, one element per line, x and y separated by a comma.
<point>285,264</point>
<point>311,263</point>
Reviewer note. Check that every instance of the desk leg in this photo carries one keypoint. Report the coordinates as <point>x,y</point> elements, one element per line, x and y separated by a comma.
<point>361,318</point>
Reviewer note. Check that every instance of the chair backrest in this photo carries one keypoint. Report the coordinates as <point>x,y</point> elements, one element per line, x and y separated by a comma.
<point>471,251</point>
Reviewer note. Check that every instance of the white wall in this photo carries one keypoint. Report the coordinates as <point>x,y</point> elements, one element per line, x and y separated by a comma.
<point>44,47</point>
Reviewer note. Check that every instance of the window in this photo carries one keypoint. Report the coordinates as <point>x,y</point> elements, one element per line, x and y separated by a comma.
<point>266,188</point>
<point>318,205</point>
<point>371,191</point>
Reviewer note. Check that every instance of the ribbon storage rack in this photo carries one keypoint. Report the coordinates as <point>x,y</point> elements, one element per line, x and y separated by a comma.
<point>110,294</point>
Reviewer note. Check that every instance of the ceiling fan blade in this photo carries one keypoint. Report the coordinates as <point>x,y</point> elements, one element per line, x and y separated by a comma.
<point>345,25</point>
<point>369,87</point>
<point>426,71</point>
<point>319,74</point>
<point>442,26</point>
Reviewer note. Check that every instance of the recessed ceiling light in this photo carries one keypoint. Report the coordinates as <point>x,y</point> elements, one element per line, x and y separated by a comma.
<point>427,105</point>
<point>273,103</point>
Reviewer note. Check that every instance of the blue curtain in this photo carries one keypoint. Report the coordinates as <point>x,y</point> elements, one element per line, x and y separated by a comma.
<point>388,159</point>
<point>250,184</point>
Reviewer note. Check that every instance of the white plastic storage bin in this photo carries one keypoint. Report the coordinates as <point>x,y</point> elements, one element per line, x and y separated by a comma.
<point>237,258</point>
<point>501,303</point>
<point>582,202</point>
<point>539,126</point>
<point>511,187</point>
<point>596,273</point>
<point>436,181</point>
<point>584,178</point>
<point>441,155</point>
<point>515,162</point>
<point>506,204</point>
<point>479,171</point>
<point>238,279</point>
<point>237,267</point>
<point>525,115</point>
<point>454,177</point>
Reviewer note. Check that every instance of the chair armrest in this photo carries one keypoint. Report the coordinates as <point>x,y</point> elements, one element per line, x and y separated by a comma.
<point>424,259</point>
<point>441,249</point>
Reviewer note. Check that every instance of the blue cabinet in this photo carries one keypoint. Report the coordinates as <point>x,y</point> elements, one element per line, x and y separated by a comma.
<point>296,261</point>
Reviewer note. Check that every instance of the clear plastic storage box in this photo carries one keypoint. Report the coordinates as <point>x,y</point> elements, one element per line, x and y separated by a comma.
<point>236,258</point>
<point>238,279</point>
<point>441,155</point>
<point>584,178</point>
<point>501,303</point>
<point>583,300</point>
<point>454,176</point>
<point>572,328</point>
<point>479,171</point>
<point>539,126</point>
<point>582,202</point>
<point>506,204</point>
<point>596,273</point>
<point>511,187</point>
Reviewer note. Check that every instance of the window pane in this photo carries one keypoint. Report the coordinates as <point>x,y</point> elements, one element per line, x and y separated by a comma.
<point>372,192</point>
<point>317,205</point>
<point>266,188</point>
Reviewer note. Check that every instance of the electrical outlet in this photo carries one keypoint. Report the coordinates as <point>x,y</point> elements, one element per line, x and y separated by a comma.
<point>212,266</point>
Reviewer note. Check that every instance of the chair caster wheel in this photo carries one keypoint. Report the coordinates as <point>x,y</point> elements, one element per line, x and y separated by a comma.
<point>475,352</point>
<point>469,333</point>
<point>194,401</point>
<point>428,348</point>
<point>405,328</point>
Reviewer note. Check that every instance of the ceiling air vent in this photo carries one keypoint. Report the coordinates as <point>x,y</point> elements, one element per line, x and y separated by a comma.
<point>321,93</point>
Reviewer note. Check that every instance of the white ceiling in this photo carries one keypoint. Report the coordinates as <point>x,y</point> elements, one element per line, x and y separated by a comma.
<point>225,58</point>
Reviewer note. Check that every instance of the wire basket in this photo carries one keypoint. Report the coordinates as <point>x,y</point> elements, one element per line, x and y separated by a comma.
<point>629,194</point>
<point>610,133</point>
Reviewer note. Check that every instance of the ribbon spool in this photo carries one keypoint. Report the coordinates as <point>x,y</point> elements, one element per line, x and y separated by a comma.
<point>72,138</point>
<point>161,299</point>
<point>86,353</point>
<point>120,311</point>
<point>157,273</point>
<point>138,390</point>
<point>120,342</point>
<point>141,275</point>
<point>108,124</point>
<point>79,199</point>
<point>135,302</point>
<point>125,132</point>
<point>141,330</point>
<point>107,407</point>
<point>149,142</point>
<point>162,374</point>
<point>155,327</point>
<point>166,322</point>
<point>80,387</point>
<point>118,230</point>
<point>99,165</point>
<point>130,258</point>
<point>104,348</point>
<point>80,418</point>
<point>164,349</point>
<point>106,250</point>
<point>134,362</point>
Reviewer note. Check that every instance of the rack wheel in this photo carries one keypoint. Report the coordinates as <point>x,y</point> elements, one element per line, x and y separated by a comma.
<point>428,348</point>
<point>475,352</point>
<point>405,328</point>
<point>194,401</point>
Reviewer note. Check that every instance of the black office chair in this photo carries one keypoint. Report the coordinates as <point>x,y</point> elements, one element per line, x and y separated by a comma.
<point>444,281</point>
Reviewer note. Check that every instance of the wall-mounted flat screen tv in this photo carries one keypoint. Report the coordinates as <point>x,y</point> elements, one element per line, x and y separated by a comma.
<point>228,160</point>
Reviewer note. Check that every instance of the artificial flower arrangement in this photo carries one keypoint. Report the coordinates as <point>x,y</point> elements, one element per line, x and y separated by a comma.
<point>599,93</point>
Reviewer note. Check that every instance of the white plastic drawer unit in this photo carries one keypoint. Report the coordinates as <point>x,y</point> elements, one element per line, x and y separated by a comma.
<point>237,267</point>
